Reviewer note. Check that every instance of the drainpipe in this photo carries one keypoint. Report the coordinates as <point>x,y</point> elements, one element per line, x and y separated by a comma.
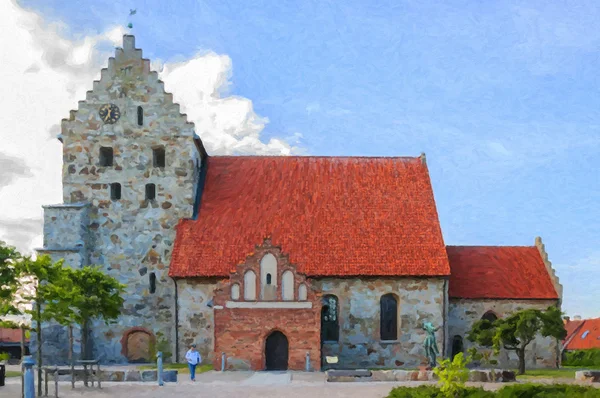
<point>176,322</point>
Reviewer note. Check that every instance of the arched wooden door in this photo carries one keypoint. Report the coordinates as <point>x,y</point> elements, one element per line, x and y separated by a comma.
<point>138,347</point>
<point>276,351</point>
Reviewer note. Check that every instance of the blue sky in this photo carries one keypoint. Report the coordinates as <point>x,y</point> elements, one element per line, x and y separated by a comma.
<point>502,96</point>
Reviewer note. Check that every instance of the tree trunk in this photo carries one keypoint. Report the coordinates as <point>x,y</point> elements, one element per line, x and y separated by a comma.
<point>39,347</point>
<point>71,356</point>
<point>84,339</point>
<point>521,354</point>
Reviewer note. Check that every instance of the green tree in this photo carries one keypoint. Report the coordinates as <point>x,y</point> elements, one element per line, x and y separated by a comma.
<point>9,279</point>
<point>94,295</point>
<point>45,274</point>
<point>516,331</point>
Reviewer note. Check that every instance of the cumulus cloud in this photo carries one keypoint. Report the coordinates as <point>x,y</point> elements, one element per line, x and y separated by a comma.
<point>46,72</point>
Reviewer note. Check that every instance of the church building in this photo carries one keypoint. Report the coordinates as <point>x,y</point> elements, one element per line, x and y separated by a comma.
<point>266,262</point>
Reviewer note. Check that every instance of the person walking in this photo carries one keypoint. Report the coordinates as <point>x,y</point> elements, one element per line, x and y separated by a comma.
<point>193,358</point>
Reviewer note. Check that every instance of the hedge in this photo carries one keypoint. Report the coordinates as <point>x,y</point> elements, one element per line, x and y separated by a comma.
<point>511,391</point>
<point>582,358</point>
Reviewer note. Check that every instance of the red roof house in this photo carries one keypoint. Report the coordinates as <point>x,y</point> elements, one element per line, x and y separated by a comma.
<point>582,334</point>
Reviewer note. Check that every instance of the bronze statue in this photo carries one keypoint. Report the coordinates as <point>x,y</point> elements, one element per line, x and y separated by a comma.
<point>431,348</point>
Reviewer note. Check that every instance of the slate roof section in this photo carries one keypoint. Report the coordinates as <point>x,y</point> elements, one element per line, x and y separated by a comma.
<point>583,334</point>
<point>498,272</point>
<point>334,216</point>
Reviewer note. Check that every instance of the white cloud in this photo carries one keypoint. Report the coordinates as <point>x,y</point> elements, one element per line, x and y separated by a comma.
<point>46,73</point>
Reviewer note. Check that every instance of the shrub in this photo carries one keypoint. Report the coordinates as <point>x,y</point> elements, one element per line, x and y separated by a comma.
<point>582,358</point>
<point>435,392</point>
<point>4,356</point>
<point>452,374</point>
<point>512,391</point>
<point>548,391</point>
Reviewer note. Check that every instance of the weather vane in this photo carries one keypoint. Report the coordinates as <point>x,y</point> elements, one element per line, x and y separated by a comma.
<point>131,12</point>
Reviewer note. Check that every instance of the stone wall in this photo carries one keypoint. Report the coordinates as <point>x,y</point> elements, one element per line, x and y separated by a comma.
<point>360,345</point>
<point>131,237</point>
<point>195,317</point>
<point>541,353</point>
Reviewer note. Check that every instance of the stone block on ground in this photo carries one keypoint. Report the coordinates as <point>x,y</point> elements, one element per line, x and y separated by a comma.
<point>149,375</point>
<point>169,376</point>
<point>133,375</point>
<point>588,375</point>
<point>348,375</point>
<point>113,375</point>
<point>383,375</point>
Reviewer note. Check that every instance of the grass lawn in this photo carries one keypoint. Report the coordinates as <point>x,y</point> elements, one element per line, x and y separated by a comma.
<point>13,373</point>
<point>181,367</point>
<point>565,372</point>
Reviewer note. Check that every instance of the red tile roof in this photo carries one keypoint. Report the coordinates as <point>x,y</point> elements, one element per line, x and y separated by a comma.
<point>334,216</point>
<point>499,272</point>
<point>11,336</point>
<point>576,330</point>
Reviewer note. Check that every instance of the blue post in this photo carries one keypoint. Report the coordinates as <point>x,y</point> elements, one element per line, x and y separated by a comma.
<point>159,370</point>
<point>222,362</point>
<point>308,361</point>
<point>29,377</point>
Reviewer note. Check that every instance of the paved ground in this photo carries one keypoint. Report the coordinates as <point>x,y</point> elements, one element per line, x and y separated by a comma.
<point>233,384</point>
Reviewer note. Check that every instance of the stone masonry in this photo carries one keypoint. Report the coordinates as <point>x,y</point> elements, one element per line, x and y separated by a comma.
<point>360,345</point>
<point>541,353</point>
<point>130,237</point>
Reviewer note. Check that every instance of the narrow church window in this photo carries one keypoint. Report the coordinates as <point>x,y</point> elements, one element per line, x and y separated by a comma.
<point>235,291</point>
<point>140,115</point>
<point>158,157</point>
<point>115,191</point>
<point>489,316</point>
<point>330,329</point>
<point>268,279</point>
<point>150,191</point>
<point>287,285</point>
<point>152,282</point>
<point>302,293</point>
<point>249,285</point>
<point>389,317</point>
<point>106,156</point>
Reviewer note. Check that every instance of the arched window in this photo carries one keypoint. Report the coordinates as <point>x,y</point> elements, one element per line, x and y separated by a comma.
<point>140,115</point>
<point>388,317</point>
<point>249,285</point>
<point>152,282</point>
<point>268,277</point>
<point>287,285</point>
<point>330,328</point>
<point>302,293</point>
<point>235,291</point>
<point>489,316</point>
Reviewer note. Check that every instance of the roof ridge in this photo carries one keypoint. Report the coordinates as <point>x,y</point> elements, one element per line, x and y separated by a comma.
<point>313,157</point>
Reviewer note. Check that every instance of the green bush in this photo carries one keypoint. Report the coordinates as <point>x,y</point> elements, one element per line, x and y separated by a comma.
<point>4,356</point>
<point>435,392</point>
<point>582,358</point>
<point>512,391</point>
<point>548,391</point>
<point>452,374</point>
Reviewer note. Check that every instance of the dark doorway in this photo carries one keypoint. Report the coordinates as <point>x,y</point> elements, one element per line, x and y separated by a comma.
<point>276,351</point>
<point>457,346</point>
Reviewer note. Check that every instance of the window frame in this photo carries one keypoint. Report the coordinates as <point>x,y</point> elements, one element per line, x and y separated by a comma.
<point>393,332</point>
<point>333,330</point>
